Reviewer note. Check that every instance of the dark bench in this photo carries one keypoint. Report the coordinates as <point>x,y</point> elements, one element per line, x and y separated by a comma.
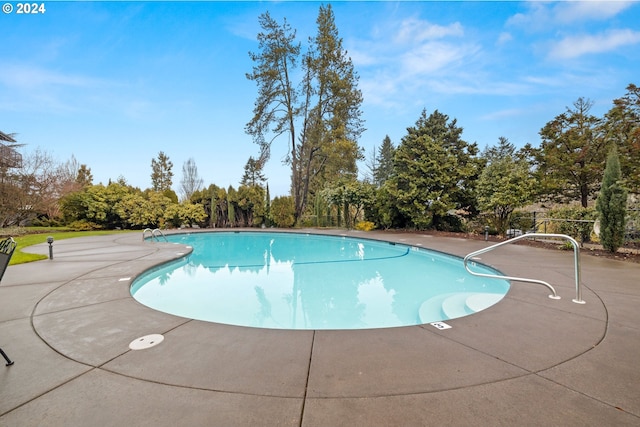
<point>7,246</point>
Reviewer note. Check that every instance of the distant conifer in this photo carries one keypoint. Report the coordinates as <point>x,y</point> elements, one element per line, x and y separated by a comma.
<point>612,205</point>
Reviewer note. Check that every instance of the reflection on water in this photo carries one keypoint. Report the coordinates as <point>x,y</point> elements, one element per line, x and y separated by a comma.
<point>294,281</point>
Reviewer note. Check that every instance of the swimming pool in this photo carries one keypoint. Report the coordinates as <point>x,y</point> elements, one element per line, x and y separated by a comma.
<point>308,281</point>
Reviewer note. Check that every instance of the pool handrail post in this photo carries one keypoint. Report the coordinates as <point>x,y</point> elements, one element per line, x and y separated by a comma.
<point>157,231</point>
<point>154,234</point>
<point>576,254</point>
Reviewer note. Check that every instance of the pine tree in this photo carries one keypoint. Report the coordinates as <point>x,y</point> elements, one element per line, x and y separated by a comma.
<point>231,206</point>
<point>320,115</point>
<point>504,184</point>
<point>434,172</point>
<point>622,127</point>
<point>267,209</point>
<point>161,174</point>
<point>569,160</point>
<point>384,161</point>
<point>612,205</point>
<point>253,173</point>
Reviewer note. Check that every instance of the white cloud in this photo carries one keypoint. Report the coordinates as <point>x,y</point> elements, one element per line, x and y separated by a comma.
<point>504,37</point>
<point>472,84</point>
<point>379,89</point>
<point>574,11</point>
<point>29,88</point>
<point>34,77</point>
<point>416,31</point>
<point>546,15</point>
<point>407,57</point>
<point>432,57</point>
<point>535,19</point>
<point>594,79</point>
<point>575,46</point>
<point>361,58</point>
<point>505,114</point>
<point>553,81</point>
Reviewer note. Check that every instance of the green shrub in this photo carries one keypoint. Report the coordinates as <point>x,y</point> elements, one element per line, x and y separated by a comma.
<point>566,246</point>
<point>44,222</point>
<point>283,212</point>
<point>448,223</point>
<point>579,224</point>
<point>309,221</point>
<point>365,225</point>
<point>83,225</point>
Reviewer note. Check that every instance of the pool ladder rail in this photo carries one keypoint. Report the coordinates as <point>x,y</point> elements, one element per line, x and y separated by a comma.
<point>576,257</point>
<point>155,234</point>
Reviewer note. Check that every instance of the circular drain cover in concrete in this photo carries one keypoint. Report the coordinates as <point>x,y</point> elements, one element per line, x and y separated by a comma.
<point>145,342</point>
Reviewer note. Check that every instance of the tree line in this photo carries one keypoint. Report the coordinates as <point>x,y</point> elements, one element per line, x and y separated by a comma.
<point>432,179</point>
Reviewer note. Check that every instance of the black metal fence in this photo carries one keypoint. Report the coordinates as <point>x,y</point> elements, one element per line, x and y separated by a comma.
<point>580,229</point>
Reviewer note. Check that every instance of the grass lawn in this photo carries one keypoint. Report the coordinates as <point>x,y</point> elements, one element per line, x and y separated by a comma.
<point>40,236</point>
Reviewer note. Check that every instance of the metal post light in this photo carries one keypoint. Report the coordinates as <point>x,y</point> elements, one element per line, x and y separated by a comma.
<point>486,233</point>
<point>50,242</point>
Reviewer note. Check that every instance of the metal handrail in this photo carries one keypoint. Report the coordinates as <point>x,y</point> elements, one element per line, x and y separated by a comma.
<point>153,234</point>
<point>576,257</point>
<point>157,230</point>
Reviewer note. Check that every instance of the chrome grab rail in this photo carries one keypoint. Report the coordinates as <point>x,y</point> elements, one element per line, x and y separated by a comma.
<point>576,257</point>
<point>153,234</point>
<point>158,231</point>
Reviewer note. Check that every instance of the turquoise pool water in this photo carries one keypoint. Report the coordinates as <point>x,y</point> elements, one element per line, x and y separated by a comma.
<point>307,281</point>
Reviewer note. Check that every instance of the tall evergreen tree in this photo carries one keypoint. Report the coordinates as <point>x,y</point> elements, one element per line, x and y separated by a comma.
<point>253,175</point>
<point>504,184</point>
<point>84,177</point>
<point>571,154</point>
<point>622,127</point>
<point>384,160</point>
<point>612,205</point>
<point>267,207</point>
<point>161,174</point>
<point>276,108</point>
<point>320,115</point>
<point>231,206</point>
<point>504,149</point>
<point>434,172</point>
<point>331,150</point>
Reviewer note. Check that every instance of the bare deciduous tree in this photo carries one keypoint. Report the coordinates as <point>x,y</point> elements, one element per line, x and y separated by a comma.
<point>191,181</point>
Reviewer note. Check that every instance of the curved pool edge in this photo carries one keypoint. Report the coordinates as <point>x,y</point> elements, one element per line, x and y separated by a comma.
<point>536,353</point>
<point>449,312</point>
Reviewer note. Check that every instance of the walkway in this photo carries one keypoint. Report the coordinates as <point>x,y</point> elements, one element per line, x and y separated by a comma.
<point>529,360</point>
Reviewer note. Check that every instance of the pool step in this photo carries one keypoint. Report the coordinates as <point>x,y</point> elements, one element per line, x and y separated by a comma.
<point>431,309</point>
<point>479,302</point>
<point>455,304</point>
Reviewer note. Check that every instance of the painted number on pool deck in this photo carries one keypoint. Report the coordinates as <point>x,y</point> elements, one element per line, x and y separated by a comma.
<point>440,325</point>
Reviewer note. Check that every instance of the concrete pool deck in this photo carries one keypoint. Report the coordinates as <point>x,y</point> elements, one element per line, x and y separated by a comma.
<point>528,360</point>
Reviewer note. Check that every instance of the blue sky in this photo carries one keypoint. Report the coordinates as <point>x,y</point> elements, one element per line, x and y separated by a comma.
<point>114,83</point>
